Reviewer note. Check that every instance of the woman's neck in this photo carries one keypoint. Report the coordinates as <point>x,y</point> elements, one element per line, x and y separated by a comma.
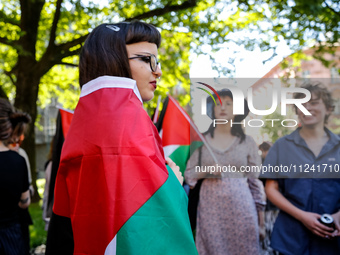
<point>223,129</point>
<point>222,137</point>
<point>3,147</point>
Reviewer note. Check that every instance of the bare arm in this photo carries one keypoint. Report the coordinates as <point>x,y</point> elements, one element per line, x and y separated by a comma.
<point>25,200</point>
<point>309,219</point>
<point>262,228</point>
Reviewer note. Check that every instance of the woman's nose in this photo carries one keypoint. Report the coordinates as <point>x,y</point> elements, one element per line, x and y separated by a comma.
<point>158,73</point>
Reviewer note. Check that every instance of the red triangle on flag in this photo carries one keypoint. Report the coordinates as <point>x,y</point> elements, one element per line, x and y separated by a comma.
<point>66,118</point>
<point>177,126</point>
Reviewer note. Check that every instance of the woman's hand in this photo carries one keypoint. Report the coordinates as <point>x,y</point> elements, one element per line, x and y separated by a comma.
<point>175,169</point>
<point>25,200</point>
<point>311,221</point>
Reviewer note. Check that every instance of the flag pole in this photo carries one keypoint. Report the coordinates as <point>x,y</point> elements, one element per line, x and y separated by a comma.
<point>155,116</point>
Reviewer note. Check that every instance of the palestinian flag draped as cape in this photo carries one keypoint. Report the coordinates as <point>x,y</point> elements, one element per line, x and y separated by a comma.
<point>180,137</point>
<point>112,183</point>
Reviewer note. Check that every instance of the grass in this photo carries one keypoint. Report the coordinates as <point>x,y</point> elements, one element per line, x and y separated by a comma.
<point>37,230</point>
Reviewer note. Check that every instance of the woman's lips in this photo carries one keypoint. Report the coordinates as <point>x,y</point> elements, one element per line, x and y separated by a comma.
<point>154,84</point>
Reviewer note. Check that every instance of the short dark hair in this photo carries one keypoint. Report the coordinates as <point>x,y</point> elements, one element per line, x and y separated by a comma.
<point>104,51</point>
<point>265,146</point>
<point>13,123</point>
<point>320,91</point>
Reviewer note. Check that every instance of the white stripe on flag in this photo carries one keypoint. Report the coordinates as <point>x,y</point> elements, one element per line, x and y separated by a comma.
<point>169,149</point>
<point>110,82</point>
<point>112,247</point>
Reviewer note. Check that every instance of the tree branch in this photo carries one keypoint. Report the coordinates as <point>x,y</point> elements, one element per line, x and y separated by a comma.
<point>66,46</point>
<point>55,54</point>
<point>161,11</point>
<point>63,50</point>
<point>6,19</point>
<point>67,64</point>
<point>55,23</point>
<point>331,9</point>
<point>4,40</point>
<point>46,64</point>
<point>58,59</point>
<point>9,74</point>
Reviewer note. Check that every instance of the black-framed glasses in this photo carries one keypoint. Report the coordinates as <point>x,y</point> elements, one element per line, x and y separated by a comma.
<point>149,59</point>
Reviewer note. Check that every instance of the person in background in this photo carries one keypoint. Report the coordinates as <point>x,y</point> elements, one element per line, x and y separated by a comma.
<point>271,210</point>
<point>264,148</point>
<point>230,210</point>
<point>302,201</point>
<point>14,185</point>
<point>114,193</point>
<point>25,218</point>
<point>48,169</point>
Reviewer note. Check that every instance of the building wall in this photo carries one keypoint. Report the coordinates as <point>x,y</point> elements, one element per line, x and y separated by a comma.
<point>44,134</point>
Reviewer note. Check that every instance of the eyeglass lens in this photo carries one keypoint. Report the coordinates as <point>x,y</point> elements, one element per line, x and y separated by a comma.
<point>153,63</point>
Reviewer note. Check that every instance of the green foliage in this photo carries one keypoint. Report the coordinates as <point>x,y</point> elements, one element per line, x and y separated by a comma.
<point>303,22</point>
<point>65,87</point>
<point>275,131</point>
<point>184,26</point>
<point>38,234</point>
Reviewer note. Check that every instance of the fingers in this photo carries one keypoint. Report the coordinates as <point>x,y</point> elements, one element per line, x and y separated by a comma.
<point>170,162</point>
<point>175,169</point>
<point>336,233</point>
<point>180,178</point>
<point>322,230</point>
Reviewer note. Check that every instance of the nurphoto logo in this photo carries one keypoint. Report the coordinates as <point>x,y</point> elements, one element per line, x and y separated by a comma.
<point>281,94</point>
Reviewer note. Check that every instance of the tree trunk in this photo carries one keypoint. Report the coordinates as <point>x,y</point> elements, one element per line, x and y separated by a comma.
<point>26,100</point>
<point>2,93</point>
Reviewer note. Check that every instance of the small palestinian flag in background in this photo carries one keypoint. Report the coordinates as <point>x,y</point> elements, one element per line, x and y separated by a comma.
<point>63,123</point>
<point>178,133</point>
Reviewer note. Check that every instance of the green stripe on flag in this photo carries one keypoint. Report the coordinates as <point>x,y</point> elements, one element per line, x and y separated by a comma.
<point>160,226</point>
<point>181,155</point>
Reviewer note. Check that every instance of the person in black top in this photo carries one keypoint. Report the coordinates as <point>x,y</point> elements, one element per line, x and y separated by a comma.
<point>14,187</point>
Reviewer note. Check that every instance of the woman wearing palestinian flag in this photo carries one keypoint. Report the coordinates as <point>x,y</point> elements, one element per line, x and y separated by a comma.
<point>114,193</point>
